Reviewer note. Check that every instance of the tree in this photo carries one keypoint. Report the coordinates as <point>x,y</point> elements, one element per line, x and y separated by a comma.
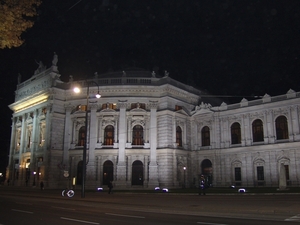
<point>16,16</point>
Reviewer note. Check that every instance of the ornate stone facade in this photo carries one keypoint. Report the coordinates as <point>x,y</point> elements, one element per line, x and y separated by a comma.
<point>147,131</point>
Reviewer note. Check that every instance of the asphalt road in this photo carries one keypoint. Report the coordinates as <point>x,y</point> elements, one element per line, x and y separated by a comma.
<point>33,206</point>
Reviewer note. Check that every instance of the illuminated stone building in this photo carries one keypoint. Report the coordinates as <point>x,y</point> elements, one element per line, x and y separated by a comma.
<point>146,131</point>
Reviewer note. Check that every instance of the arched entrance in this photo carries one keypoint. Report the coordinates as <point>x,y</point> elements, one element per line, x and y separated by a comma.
<point>207,170</point>
<point>108,172</point>
<point>137,173</point>
<point>79,173</point>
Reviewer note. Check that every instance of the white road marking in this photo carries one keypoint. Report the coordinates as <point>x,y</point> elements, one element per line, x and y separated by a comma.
<point>23,203</point>
<point>112,214</point>
<point>211,223</point>
<point>62,208</point>
<point>294,218</point>
<point>81,221</point>
<point>16,210</point>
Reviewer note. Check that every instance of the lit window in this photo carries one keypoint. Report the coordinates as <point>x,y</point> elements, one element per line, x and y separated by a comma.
<point>178,136</point>
<point>137,136</point>
<point>205,136</point>
<point>109,135</point>
<point>81,136</point>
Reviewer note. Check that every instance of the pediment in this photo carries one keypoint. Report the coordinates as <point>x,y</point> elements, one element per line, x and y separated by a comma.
<point>203,111</point>
<point>182,111</point>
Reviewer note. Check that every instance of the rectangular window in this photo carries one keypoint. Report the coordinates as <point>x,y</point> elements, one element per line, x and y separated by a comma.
<point>138,106</point>
<point>260,173</point>
<point>109,106</point>
<point>237,174</point>
<point>177,107</point>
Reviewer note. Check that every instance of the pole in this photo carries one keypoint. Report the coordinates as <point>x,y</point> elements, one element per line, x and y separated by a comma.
<point>85,135</point>
<point>85,145</point>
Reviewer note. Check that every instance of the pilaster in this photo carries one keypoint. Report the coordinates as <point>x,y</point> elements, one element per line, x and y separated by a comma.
<point>153,167</point>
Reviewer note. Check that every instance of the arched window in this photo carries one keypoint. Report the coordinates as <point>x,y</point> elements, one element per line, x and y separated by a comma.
<point>81,136</point>
<point>137,135</point>
<point>257,131</point>
<point>281,128</point>
<point>235,133</point>
<point>109,132</point>
<point>178,136</point>
<point>205,135</point>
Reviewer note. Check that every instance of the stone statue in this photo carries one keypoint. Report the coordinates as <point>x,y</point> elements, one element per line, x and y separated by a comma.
<point>55,59</point>
<point>40,68</point>
<point>153,74</point>
<point>166,73</point>
<point>19,78</point>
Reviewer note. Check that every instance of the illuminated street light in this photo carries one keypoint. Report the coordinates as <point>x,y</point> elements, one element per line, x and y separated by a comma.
<point>77,90</point>
<point>34,173</point>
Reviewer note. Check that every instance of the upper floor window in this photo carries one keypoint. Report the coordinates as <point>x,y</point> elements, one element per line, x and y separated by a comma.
<point>138,105</point>
<point>205,136</point>
<point>81,136</point>
<point>178,136</point>
<point>235,133</point>
<point>281,128</point>
<point>109,135</point>
<point>178,107</point>
<point>137,135</point>
<point>109,106</point>
<point>257,130</point>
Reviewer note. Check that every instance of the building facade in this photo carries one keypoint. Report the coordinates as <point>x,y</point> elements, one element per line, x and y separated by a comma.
<point>147,131</point>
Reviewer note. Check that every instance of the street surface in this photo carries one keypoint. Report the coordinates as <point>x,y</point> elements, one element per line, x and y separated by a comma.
<point>33,206</point>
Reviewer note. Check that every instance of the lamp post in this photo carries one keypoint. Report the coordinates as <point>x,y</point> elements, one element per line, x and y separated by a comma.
<point>77,90</point>
<point>184,169</point>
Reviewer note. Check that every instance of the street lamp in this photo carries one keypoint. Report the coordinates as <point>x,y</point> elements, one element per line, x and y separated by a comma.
<point>34,173</point>
<point>77,90</point>
<point>184,169</point>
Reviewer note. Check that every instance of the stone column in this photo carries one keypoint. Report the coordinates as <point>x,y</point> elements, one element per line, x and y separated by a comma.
<point>100,133</point>
<point>153,168</point>
<point>294,124</point>
<point>270,126</point>
<point>33,148</point>
<point>46,147</point>
<point>67,135</point>
<point>121,167</point>
<point>11,164</point>
<point>116,131</point>
<point>247,129</point>
<point>129,130</point>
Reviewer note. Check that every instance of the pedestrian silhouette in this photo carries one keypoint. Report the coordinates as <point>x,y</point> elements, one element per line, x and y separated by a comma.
<point>42,185</point>
<point>202,185</point>
<point>110,187</point>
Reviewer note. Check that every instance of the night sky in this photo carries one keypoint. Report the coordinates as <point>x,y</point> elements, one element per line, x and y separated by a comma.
<point>230,47</point>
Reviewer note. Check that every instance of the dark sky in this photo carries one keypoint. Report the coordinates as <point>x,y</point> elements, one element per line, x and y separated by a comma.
<point>229,47</point>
